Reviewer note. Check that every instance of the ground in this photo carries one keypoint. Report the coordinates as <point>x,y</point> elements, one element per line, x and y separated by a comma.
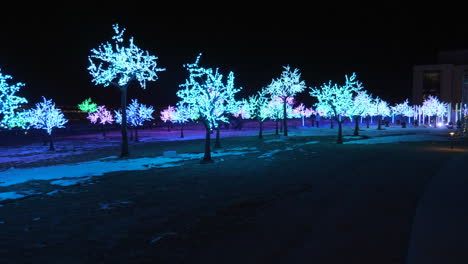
<point>295,199</point>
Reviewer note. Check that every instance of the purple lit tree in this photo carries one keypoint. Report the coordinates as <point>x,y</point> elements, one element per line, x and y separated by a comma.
<point>168,115</point>
<point>285,87</point>
<point>120,66</point>
<point>101,116</point>
<point>338,99</point>
<point>46,116</point>
<point>209,97</point>
<point>303,112</point>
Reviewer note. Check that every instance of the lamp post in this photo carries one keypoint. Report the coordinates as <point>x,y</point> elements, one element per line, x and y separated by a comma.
<point>451,139</point>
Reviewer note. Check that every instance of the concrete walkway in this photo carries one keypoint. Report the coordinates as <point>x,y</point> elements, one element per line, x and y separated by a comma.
<point>440,227</point>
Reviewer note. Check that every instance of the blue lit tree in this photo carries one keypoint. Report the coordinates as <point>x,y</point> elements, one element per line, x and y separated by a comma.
<point>45,116</point>
<point>9,103</point>
<point>120,66</point>
<point>338,99</point>
<point>275,110</point>
<point>210,97</point>
<point>182,115</point>
<point>136,115</point>
<point>403,109</point>
<point>285,87</point>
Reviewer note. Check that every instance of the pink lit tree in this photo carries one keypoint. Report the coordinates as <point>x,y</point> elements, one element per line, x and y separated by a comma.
<point>101,116</point>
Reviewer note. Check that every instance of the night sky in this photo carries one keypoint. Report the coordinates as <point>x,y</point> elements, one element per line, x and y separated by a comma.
<point>48,49</point>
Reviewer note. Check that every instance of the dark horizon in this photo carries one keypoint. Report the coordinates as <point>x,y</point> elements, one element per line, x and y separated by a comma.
<point>48,51</point>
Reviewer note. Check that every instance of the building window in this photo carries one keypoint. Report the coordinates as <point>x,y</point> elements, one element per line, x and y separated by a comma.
<point>431,84</point>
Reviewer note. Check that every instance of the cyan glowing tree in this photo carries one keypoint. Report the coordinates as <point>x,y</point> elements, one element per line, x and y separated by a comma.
<point>88,106</point>
<point>120,66</point>
<point>101,116</point>
<point>182,115</point>
<point>381,110</point>
<point>338,98</point>
<point>209,96</point>
<point>275,110</point>
<point>9,103</point>
<point>361,103</point>
<point>403,109</point>
<point>433,107</point>
<point>256,107</point>
<point>137,114</point>
<point>45,116</point>
<point>287,86</point>
<point>302,111</point>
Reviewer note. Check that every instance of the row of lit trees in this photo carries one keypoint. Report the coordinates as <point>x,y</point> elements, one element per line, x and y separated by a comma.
<point>205,96</point>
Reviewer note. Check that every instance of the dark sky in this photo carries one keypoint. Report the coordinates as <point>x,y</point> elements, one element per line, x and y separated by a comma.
<point>47,48</point>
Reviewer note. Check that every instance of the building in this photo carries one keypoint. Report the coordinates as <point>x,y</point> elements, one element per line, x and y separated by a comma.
<point>448,79</point>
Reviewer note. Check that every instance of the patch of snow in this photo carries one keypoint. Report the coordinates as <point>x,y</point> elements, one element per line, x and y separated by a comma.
<point>10,195</point>
<point>52,192</point>
<point>69,182</point>
<point>274,140</point>
<point>268,154</point>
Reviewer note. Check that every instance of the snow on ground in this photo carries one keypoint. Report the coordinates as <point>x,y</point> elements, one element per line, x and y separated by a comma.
<point>10,195</point>
<point>69,174</point>
<point>396,139</point>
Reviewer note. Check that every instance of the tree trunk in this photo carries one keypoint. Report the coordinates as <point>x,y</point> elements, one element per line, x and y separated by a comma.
<point>182,131</point>
<point>331,122</point>
<point>285,120</point>
<point>103,131</point>
<point>379,123</point>
<point>123,101</point>
<point>131,133</point>
<point>207,156</point>
<point>136,135</point>
<point>260,133</point>
<point>217,141</point>
<point>51,141</point>
<point>276,133</point>
<point>340,133</point>
<point>367,122</point>
<point>356,127</point>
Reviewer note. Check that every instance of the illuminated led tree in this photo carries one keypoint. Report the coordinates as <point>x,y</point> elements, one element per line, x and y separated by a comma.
<point>138,114</point>
<point>101,116</point>
<point>381,110</point>
<point>275,110</point>
<point>46,116</point>
<point>256,107</point>
<point>338,98</point>
<point>361,103</point>
<point>182,115</point>
<point>285,87</point>
<point>168,115</point>
<point>120,66</point>
<point>303,112</point>
<point>433,107</point>
<point>324,110</point>
<point>209,96</point>
<point>403,109</point>
<point>88,106</point>
<point>9,103</point>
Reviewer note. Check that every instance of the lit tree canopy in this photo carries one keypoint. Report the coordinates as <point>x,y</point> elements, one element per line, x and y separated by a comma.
<point>119,64</point>
<point>302,111</point>
<point>433,107</point>
<point>9,103</point>
<point>88,106</point>
<point>403,109</point>
<point>102,115</point>
<point>337,100</point>
<point>137,114</point>
<point>275,106</point>
<point>208,95</point>
<point>46,116</point>
<point>168,114</point>
<point>362,102</point>
<point>380,107</point>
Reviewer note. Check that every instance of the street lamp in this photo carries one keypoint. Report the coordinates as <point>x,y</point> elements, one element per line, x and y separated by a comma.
<point>451,139</point>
